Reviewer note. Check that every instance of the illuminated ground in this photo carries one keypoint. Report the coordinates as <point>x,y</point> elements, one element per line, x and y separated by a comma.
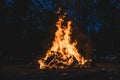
<point>102,71</point>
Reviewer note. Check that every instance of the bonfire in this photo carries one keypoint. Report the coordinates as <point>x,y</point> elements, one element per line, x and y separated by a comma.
<point>63,53</point>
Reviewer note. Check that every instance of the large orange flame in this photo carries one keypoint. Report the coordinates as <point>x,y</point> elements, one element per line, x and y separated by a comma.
<point>63,53</point>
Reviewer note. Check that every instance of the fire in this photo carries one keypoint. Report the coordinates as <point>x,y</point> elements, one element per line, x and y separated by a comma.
<point>63,53</point>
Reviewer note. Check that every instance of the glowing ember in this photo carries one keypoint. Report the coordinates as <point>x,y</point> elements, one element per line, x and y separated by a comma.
<point>63,54</point>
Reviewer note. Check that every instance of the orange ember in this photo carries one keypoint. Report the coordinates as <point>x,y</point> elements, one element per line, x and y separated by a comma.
<point>63,54</point>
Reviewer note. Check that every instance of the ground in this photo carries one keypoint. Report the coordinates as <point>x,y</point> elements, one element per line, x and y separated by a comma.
<point>102,71</point>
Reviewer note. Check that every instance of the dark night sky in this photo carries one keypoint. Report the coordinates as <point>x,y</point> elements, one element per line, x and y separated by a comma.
<point>92,8</point>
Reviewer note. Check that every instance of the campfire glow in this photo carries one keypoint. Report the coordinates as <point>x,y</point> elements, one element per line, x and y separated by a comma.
<point>63,54</point>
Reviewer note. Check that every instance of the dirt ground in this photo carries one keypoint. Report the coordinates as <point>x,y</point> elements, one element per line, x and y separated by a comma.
<point>102,71</point>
